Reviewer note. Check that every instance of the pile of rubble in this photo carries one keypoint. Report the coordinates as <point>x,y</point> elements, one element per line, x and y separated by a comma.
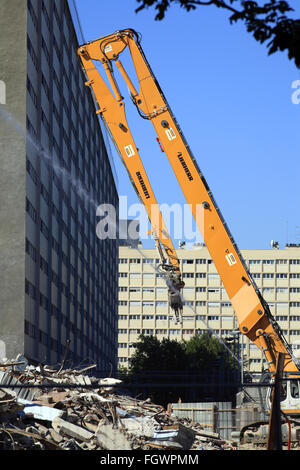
<point>48,409</point>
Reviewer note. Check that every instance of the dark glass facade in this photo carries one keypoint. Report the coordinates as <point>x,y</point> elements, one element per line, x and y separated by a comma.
<point>70,275</point>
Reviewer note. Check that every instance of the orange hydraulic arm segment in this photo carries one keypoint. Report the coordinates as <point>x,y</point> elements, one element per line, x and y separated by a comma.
<point>253,314</point>
<point>112,112</point>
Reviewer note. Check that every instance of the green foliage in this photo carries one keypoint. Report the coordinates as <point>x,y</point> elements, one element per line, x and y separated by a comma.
<point>266,21</point>
<point>202,350</point>
<point>152,354</point>
<point>196,354</point>
<point>169,369</point>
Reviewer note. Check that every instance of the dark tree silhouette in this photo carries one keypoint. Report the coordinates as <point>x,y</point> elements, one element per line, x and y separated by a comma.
<point>268,21</point>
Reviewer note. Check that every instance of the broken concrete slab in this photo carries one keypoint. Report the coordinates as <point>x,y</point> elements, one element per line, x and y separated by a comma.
<point>112,438</point>
<point>140,425</point>
<point>72,430</point>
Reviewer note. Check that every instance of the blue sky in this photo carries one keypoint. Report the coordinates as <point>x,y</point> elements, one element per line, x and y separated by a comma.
<point>234,105</point>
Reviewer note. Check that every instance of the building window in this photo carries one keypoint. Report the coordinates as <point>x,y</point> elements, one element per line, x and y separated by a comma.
<point>30,289</point>
<point>32,52</point>
<point>46,16</point>
<point>43,301</point>
<point>32,14</point>
<point>148,261</point>
<point>147,332</point>
<point>134,275</point>
<point>30,250</point>
<point>31,171</point>
<point>213,276</point>
<point>201,275</point>
<point>294,318</point>
<point>281,317</point>
<point>45,86</point>
<point>148,276</point>
<point>225,304</point>
<point>45,194</point>
<point>45,49</point>
<point>44,265</point>
<point>200,289</point>
<point>122,359</point>
<point>32,92</point>
<point>44,230</point>
<point>134,289</point>
<point>187,261</point>
<point>31,210</point>
<point>200,261</point>
<point>161,303</point>
<point>45,122</point>
<point>122,317</point>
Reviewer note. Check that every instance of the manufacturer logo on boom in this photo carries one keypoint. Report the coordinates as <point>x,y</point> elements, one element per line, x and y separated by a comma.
<point>184,166</point>
<point>143,186</point>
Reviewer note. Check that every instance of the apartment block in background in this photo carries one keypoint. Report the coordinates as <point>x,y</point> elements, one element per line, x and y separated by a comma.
<point>143,300</point>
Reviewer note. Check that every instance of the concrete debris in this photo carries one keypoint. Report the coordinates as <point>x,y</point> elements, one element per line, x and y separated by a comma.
<point>70,409</point>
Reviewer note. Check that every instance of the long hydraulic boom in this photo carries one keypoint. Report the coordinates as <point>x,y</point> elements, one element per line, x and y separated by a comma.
<point>253,314</point>
<point>112,112</point>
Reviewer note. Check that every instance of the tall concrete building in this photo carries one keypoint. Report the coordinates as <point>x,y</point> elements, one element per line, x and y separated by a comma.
<point>58,281</point>
<point>143,299</point>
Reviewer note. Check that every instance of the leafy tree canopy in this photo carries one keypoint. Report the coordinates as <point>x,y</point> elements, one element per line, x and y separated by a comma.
<point>152,354</point>
<point>168,366</point>
<point>267,20</point>
<point>196,354</point>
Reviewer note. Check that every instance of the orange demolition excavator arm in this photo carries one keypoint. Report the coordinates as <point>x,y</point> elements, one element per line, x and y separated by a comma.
<point>112,112</point>
<point>253,314</point>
